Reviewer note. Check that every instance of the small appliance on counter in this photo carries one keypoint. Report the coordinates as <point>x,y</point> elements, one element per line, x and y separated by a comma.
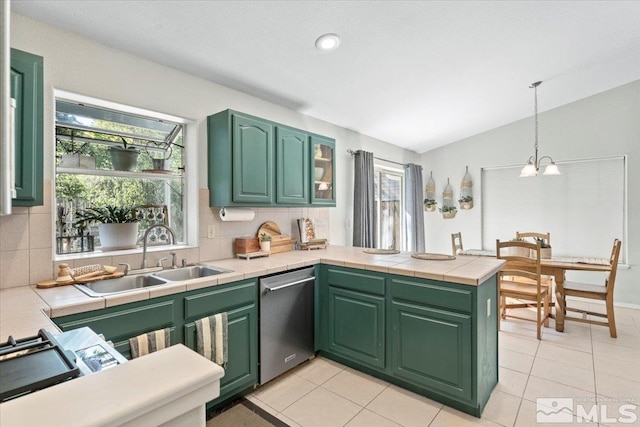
<point>33,363</point>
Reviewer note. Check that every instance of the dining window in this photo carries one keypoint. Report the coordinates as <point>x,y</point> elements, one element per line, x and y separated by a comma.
<point>584,209</point>
<point>389,205</point>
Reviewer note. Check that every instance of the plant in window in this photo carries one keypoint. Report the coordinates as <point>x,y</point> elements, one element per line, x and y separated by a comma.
<point>124,158</point>
<point>117,225</point>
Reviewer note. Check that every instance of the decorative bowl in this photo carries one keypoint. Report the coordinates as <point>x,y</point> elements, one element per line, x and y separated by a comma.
<point>319,173</point>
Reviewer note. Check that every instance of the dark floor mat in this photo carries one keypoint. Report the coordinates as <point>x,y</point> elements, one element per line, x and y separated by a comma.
<point>243,413</point>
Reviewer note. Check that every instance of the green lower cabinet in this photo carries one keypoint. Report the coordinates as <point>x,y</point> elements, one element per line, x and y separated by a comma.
<point>432,348</point>
<point>357,326</point>
<point>120,323</point>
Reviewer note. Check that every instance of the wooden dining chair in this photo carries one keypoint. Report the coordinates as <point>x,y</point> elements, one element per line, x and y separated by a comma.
<point>520,279</point>
<point>598,292</point>
<point>456,243</point>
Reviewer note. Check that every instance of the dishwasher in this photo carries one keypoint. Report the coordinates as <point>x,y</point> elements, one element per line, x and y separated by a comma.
<point>286,321</point>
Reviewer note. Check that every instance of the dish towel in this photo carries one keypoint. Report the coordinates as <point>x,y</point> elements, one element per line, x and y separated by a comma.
<point>211,338</point>
<point>150,342</point>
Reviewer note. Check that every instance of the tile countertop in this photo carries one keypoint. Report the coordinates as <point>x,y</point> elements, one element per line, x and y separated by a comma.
<point>24,310</point>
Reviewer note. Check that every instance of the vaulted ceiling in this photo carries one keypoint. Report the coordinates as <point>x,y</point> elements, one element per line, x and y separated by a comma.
<point>417,74</point>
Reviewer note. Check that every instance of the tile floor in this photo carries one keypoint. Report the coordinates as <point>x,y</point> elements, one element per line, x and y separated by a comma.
<point>584,363</point>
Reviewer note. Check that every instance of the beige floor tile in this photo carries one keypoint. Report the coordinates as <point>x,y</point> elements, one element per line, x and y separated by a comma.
<point>512,382</point>
<point>449,417</point>
<point>281,393</point>
<point>561,354</point>
<point>569,341</point>
<point>519,344</point>
<point>516,361</point>
<point>404,407</point>
<point>502,408</point>
<point>357,387</point>
<point>617,352</point>
<point>322,408</point>
<point>564,373</point>
<point>618,368</point>
<point>617,387</point>
<point>527,416</point>
<point>627,336</point>
<point>625,412</point>
<point>366,418</point>
<point>319,370</point>
<point>288,421</point>
<point>542,388</point>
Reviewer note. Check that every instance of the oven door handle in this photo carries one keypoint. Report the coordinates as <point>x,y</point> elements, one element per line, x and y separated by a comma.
<point>288,285</point>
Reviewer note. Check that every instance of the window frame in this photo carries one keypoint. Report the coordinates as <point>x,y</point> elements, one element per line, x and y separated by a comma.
<point>189,177</point>
<point>378,168</point>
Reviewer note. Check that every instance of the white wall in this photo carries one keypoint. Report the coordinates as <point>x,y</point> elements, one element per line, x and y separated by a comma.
<point>79,65</point>
<point>606,124</point>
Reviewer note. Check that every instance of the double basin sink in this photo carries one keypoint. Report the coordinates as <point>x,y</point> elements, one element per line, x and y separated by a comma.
<point>140,281</point>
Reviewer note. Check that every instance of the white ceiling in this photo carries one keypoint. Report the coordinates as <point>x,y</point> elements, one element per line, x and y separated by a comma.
<point>416,74</point>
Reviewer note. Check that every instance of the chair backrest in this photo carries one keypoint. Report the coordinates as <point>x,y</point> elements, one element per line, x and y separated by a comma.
<point>613,260</point>
<point>519,264</point>
<point>456,243</point>
<point>524,235</point>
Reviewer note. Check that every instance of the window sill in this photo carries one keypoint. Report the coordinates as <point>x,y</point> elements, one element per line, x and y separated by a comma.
<point>99,254</point>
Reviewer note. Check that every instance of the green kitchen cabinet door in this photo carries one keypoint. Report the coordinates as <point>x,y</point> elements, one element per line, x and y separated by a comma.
<point>432,347</point>
<point>357,326</point>
<point>27,89</point>
<point>252,160</point>
<point>292,166</point>
<point>323,175</point>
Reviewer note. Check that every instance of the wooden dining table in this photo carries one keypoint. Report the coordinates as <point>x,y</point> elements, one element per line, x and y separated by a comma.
<point>557,267</point>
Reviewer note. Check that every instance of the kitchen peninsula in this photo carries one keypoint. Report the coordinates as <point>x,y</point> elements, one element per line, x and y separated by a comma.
<point>434,328</point>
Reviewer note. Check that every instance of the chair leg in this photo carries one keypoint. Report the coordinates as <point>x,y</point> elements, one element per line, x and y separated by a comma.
<point>503,307</point>
<point>547,309</point>
<point>538,319</point>
<point>611,318</point>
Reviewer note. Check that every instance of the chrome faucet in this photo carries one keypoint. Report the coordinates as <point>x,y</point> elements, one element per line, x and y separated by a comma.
<point>146,235</point>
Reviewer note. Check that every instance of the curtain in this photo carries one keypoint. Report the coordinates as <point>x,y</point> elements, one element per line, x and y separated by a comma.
<point>364,212</point>
<point>413,210</point>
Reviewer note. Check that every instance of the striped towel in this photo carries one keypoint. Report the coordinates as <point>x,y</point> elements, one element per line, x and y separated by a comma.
<point>211,337</point>
<point>148,343</point>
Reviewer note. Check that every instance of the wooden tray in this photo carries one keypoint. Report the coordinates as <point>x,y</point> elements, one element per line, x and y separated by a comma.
<point>253,255</point>
<point>433,257</point>
<point>381,251</point>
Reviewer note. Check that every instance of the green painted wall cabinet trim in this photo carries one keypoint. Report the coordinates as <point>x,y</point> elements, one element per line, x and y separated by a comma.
<point>434,338</point>
<point>256,162</point>
<point>27,89</point>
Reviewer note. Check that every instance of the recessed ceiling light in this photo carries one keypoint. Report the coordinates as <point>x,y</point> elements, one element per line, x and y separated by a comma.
<point>327,42</point>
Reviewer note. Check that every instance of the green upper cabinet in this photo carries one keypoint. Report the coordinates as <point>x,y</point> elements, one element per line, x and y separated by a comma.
<point>292,166</point>
<point>323,191</point>
<point>252,156</point>
<point>27,89</point>
<point>256,162</point>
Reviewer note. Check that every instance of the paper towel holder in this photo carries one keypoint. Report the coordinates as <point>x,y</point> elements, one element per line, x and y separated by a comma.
<point>236,214</point>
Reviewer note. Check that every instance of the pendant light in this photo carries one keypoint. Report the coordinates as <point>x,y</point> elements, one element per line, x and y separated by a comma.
<point>533,164</point>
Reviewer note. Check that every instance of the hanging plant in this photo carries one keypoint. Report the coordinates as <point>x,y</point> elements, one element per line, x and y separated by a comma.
<point>430,205</point>
<point>430,190</point>
<point>448,211</point>
<point>448,208</point>
<point>466,191</point>
<point>466,202</point>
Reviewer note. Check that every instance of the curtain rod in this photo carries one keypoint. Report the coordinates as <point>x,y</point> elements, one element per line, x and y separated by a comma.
<point>378,158</point>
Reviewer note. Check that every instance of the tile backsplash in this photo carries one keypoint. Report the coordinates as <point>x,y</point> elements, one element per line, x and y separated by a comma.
<point>26,239</point>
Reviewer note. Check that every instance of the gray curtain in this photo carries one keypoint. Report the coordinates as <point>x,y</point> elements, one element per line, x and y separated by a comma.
<point>413,208</point>
<point>364,212</point>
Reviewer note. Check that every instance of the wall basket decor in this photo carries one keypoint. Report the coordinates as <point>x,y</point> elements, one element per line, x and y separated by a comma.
<point>430,203</point>
<point>448,208</point>
<point>466,191</point>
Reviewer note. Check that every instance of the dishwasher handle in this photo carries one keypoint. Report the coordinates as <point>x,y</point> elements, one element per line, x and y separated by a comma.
<point>268,289</point>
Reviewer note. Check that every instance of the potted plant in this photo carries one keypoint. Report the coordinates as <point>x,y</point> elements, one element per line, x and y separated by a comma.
<point>545,248</point>
<point>124,158</point>
<point>448,211</point>
<point>466,202</point>
<point>517,251</point>
<point>265,242</point>
<point>75,155</point>
<point>117,225</point>
<point>430,205</point>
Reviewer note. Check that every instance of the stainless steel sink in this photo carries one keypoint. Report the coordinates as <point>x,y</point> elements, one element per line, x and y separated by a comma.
<point>139,281</point>
<point>192,272</point>
<point>122,284</point>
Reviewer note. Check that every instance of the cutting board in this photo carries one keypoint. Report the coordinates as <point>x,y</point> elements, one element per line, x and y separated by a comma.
<point>279,242</point>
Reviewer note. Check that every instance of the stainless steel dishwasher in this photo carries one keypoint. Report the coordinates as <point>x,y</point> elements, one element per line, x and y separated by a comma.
<point>286,321</point>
